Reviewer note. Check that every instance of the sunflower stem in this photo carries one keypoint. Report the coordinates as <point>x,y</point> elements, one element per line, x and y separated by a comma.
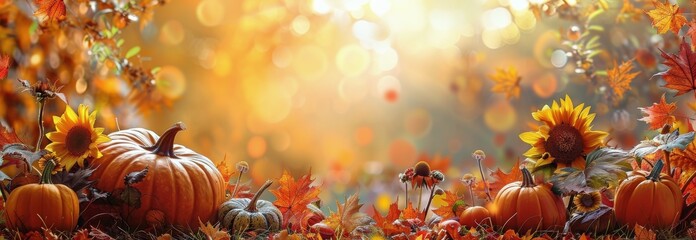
<point>41,101</point>
<point>571,204</point>
<point>165,144</point>
<point>252,204</point>
<point>46,174</point>
<point>420,197</point>
<point>430,200</point>
<point>236,184</point>
<point>406,185</point>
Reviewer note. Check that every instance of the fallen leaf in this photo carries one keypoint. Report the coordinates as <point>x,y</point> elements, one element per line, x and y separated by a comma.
<point>386,223</point>
<point>348,216</point>
<point>453,207</point>
<point>643,233</point>
<point>81,234</point>
<point>165,236</point>
<point>410,213</point>
<point>507,82</point>
<point>680,74</point>
<point>509,235</point>
<point>8,137</point>
<point>293,196</point>
<point>620,77</point>
<point>666,17</point>
<point>51,10</point>
<point>135,177</point>
<point>213,232</point>
<point>97,234</point>
<point>659,114</point>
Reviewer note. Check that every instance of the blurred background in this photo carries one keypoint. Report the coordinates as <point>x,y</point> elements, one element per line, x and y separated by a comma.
<point>359,90</point>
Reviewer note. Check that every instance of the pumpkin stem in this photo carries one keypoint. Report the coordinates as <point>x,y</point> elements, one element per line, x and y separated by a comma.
<point>527,180</point>
<point>655,173</point>
<point>252,204</point>
<point>165,145</point>
<point>46,174</point>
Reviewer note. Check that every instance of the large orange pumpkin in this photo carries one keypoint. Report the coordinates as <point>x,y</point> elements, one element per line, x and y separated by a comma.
<point>34,206</point>
<point>652,200</point>
<point>523,206</point>
<point>182,184</point>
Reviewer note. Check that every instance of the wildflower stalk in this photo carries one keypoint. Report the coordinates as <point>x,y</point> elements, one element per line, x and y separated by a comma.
<point>479,156</point>
<point>42,102</point>
<point>430,200</point>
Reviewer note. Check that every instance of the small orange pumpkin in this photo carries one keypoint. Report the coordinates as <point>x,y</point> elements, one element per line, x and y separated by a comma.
<point>652,200</point>
<point>182,184</point>
<point>523,206</point>
<point>34,206</point>
<point>473,216</point>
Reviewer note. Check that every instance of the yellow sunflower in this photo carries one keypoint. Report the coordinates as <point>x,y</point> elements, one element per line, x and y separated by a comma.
<point>75,137</point>
<point>564,137</point>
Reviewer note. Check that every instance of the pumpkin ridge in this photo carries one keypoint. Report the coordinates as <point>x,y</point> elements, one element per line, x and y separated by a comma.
<point>215,202</point>
<point>152,175</point>
<point>192,194</point>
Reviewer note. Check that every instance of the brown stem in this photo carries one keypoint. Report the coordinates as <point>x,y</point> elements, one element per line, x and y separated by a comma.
<point>420,197</point>
<point>252,204</point>
<point>430,200</point>
<point>165,144</point>
<point>236,184</point>
<point>527,180</point>
<point>41,123</point>
<point>485,183</point>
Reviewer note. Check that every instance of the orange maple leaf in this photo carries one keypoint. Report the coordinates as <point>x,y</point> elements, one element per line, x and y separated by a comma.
<point>643,233</point>
<point>51,10</point>
<point>620,77</point>
<point>680,74</point>
<point>684,159</point>
<point>454,205</point>
<point>386,223</point>
<point>692,31</point>
<point>293,196</point>
<point>409,212</point>
<point>498,180</point>
<point>509,235</point>
<point>659,114</point>
<point>506,81</point>
<point>629,11</point>
<point>348,215</point>
<point>4,65</point>
<point>81,234</point>
<point>666,17</point>
<point>213,232</point>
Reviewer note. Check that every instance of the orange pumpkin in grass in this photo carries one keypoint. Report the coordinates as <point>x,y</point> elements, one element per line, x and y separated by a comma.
<point>653,200</point>
<point>523,206</point>
<point>182,184</point>
<point>35,206</point>
<point>474,216</point>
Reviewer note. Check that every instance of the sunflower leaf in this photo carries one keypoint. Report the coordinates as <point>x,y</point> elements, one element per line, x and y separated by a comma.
<point>75,180</point>
<point>677,141</point>
<point>605,167</point>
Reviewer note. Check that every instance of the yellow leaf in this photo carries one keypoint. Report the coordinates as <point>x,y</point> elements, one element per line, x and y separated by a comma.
<point>643,233</point>
<point>506,81</point>
<point>666,17</point>
<point>620,77</point>
<point>212,232</point>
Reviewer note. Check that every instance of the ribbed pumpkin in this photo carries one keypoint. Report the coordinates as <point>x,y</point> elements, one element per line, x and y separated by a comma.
<point>37,205</point>
<point>600,221</point>
<point>181,183</point>
<point>474,216</point>
<point>523,206</point>
<point>243,214</point>
<point>652,200</point>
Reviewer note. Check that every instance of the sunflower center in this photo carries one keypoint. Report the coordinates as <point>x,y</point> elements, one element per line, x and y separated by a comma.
<point>587,200</point>
<point>78,140</point>
<point>564,143</point>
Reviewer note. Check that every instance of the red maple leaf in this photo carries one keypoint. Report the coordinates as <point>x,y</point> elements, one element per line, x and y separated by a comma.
<point>386,223</point>
<point>293,196</point>
<point>4,65</point>
<point>659,114</point>
<point>680,75</point>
